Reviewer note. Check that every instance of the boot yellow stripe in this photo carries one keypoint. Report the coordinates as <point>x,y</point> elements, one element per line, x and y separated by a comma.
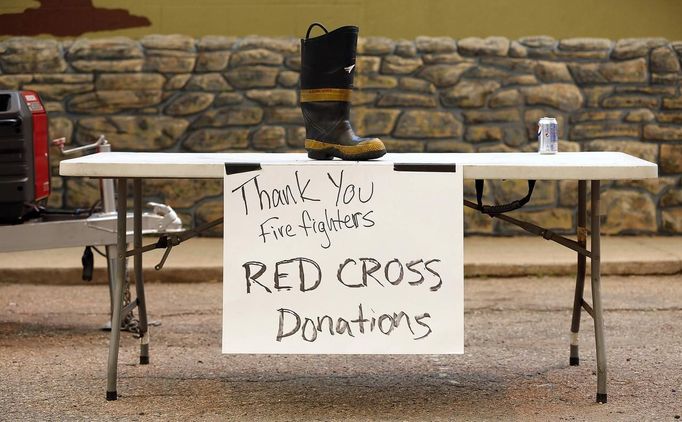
<point>325,94</point>
<point>373,144</point>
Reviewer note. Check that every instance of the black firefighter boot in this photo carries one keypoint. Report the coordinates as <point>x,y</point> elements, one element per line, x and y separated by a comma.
<point>327,68</point>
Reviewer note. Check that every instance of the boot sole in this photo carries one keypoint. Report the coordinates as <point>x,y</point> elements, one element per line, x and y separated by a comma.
<point>367,150</point>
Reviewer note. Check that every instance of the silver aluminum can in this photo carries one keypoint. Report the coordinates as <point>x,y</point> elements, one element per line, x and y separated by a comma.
<point>548,138</point>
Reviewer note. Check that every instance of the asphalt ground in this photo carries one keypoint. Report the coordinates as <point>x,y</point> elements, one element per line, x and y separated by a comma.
<point>515,366</point>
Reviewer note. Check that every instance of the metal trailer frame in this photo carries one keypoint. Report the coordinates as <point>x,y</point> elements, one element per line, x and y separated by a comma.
<point>98,229</point>
<point>166,241</point>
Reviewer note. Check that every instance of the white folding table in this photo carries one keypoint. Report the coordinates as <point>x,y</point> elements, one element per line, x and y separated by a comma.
<point>581,166</point>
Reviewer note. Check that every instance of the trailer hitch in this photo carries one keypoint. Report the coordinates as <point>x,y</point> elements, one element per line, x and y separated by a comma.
<point>168,241</point>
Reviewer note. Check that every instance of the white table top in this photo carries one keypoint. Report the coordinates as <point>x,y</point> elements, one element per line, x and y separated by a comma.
<point>509,165</point>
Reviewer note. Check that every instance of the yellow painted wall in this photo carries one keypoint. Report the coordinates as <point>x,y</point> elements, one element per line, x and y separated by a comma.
<point>401,18</point>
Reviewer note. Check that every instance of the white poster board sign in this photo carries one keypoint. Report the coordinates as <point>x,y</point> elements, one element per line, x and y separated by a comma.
<point>343,257</point>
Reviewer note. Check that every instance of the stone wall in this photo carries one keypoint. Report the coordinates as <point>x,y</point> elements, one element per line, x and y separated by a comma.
<point>175,93</point>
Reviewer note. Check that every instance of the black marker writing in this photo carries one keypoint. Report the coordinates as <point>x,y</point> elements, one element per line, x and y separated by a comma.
<point>301,192</point>
<point>309,274</point>
<point>310,328</point>
<point>276,232</point>
<point>432,271</point>
<point>346,193</point>
<point>270,198</point>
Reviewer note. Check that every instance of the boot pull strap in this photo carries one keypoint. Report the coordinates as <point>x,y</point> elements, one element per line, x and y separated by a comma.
<point>313,25</point>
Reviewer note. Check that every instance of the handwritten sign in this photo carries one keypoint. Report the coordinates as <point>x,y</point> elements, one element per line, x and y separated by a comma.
<point>343,257</point>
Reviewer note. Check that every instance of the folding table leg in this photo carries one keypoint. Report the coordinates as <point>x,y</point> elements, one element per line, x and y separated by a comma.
<point>109,205</point>
<point>139,280</point>
<point>121,211</point>
<point>574,359</point>
<point>596,296</point>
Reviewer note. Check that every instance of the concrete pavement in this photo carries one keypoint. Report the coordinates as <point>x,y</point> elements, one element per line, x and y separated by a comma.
<point>200,259</point>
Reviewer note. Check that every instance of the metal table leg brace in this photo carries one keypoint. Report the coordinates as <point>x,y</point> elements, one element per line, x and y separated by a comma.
<point>579,303</point>
<point>120,311</point>
<point>595,311</point>
<point>121,210</point>
<point>596,296</point>
<point>139,280</point>
<point>574,360</point>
